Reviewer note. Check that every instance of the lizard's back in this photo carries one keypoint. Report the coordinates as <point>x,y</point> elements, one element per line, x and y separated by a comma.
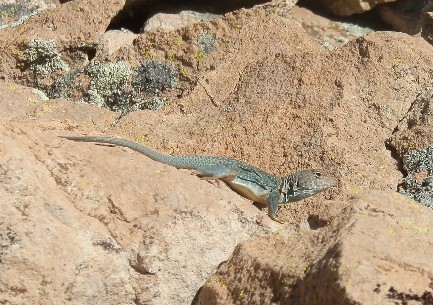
<point>187,161</point>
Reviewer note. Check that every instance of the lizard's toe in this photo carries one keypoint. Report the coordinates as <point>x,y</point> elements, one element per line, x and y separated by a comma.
<point>277,219</point>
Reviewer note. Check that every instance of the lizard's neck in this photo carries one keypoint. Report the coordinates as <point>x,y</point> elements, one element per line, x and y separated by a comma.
<point>285,186</point>
<point>294,188</point>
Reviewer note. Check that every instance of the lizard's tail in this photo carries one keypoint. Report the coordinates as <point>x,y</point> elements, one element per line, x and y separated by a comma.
<point>152,154</point>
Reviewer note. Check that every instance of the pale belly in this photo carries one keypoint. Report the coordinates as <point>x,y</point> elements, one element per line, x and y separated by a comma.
<point>249,190</point>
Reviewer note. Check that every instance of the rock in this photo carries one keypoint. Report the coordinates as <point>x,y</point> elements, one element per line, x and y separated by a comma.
<point>352,252</point>
<point>349,7</point>
<point>113,40</point>
<point>418,183</point>
<point>412,142</point>
<point>168,21</point>
<point>84,222</point>
<point>329,33</point>
<point>427,30</point>
<point>14,13</point>
<point>415,130</point>
<point>75,27</point>
<point>50,251</point>
<point>368,86</point>
<point>81,220</point>
<point>406,16</point>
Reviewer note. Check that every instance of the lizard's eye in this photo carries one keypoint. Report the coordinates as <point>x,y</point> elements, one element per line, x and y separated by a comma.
<point>318,174</point>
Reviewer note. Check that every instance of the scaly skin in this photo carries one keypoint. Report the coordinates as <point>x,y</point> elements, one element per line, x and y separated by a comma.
<point>247,180</point>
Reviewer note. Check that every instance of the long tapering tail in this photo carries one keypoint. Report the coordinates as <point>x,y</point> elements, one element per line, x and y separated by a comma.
<point>176,161</point>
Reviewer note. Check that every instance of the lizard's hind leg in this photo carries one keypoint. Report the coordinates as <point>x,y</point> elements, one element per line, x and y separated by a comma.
<point>217,172</point>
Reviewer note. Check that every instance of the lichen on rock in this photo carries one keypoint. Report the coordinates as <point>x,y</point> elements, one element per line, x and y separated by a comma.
<point>154,76</point>
<point>418,184</point>
<point>107,80</point>
<point>43,57</point>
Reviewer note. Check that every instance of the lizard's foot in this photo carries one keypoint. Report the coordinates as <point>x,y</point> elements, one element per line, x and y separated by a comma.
<point>273,201</point>
<point>274,218</point>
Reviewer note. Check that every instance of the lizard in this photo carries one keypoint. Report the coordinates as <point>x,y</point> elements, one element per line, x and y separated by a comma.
<point>247,180</point>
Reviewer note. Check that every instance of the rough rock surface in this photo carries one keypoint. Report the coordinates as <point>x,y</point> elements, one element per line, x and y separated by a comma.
<point>408,16</point>
<point>289,82</point>
<point>174,18</point>
<point>75,26</point>
<point>15,12</point>
<point>329,33</point>
<point>111,41</point>
<point>412,142</point>
<point>373,249</point>
<point>100,225</point>
<point>415,130</point>
<point>81,220</point>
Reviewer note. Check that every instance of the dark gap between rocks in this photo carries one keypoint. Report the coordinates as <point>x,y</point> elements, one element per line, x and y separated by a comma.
<point>315,222</point>
<point>133,17</point>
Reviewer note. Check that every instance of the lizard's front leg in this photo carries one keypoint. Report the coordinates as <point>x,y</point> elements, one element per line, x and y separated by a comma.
<point>273,201</point>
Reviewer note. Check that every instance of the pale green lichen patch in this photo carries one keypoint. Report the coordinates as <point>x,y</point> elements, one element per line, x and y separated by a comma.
<point>120,88</point>
<point>63,86</point>
<point>43,57</point>
<point>13,14</point>
<point>206,42</point>
<point>112,85</point>
<point>107,80</point>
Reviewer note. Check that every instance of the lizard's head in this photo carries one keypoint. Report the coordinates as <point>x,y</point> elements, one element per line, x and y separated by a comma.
<point>307,183</point>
